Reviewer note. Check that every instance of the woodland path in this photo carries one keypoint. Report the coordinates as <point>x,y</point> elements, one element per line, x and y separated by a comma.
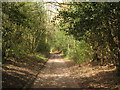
<point>56,74</point>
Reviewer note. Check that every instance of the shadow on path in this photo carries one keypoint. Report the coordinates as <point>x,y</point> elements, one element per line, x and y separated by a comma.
<point>56,74</point>
<point>94,77</point>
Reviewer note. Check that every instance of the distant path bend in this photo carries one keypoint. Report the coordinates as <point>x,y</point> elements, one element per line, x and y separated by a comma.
<point>56,74</point>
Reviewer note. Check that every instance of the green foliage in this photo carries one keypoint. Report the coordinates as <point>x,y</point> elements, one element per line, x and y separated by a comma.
<point>83,32</point>
<point>58,40</point>
<point>24,28</point>
<point>97,25</point>
<point>81,52</point>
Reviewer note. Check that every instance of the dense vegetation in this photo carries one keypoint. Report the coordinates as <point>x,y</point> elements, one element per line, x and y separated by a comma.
<point>95,26</point>
<point>82,31</point>
<point>79,31</point>
<point>24,29</point>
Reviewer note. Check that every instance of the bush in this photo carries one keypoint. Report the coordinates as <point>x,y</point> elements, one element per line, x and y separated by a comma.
<point>81,52</point>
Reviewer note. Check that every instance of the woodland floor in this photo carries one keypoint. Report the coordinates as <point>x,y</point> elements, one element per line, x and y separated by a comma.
<point>20,73</point>
<point>59,73</point>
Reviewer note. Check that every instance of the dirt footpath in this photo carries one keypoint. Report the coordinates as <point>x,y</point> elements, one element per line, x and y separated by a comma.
<point>56,74</point>
<point>61,73</point>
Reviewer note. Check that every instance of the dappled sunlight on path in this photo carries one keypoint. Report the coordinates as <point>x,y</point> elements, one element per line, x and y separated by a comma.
<point>88,76</point>
<point>56,74</point>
